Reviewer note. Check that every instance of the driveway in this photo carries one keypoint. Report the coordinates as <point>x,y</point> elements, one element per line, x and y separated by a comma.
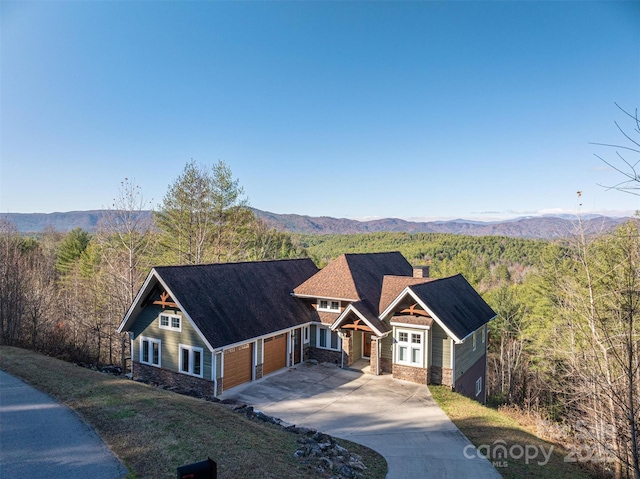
<point>397,418</point>
<point>40,438</point>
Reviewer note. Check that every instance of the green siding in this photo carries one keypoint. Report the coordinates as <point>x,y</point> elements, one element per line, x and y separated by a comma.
<point>466,356</point>
<point>441,344</point>
<point>312,335</point>
<point>386,347</point>
<point>147,325</point>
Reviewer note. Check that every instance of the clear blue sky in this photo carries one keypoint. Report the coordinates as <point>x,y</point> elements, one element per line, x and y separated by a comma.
<point>473,110</point>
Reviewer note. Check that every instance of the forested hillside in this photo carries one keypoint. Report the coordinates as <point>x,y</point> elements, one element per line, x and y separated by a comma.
<point>564,347</point>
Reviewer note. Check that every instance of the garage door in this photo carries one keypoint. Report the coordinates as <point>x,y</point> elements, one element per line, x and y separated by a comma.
<point>237,365</point>
<point>275,353</point>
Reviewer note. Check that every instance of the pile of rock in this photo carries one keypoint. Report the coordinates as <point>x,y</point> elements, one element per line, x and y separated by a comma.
<point>317,450</point>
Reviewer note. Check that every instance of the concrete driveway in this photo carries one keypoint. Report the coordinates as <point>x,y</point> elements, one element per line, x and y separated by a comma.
<point>397,418</point>
<point>41,438</point>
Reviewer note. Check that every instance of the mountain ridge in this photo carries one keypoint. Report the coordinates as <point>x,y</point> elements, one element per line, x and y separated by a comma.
<point>543,227</point>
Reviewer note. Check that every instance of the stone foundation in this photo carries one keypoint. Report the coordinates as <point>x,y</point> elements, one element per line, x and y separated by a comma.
<point>258,371</point>
<point>438,375</point>
<point>325,355</point>
<point>385,366</point>
<point>409,373</point>
<point>181,382</point>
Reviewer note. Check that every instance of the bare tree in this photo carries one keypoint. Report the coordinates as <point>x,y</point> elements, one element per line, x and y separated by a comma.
<point>627,161</point>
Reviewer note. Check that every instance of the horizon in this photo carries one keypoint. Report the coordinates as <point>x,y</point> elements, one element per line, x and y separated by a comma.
<point>422,111</point>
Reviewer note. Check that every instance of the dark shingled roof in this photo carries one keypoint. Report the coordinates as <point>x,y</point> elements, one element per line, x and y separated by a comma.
<point>454,301</point>
<point>233,302</point>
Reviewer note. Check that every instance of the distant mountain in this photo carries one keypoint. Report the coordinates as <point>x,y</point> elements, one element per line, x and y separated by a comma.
<point>526,227</point>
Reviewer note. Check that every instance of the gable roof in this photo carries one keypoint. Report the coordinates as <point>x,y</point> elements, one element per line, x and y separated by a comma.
<point>452,302</point>
<point>355,277</point>
<point>392,286</point>
<point>233,302</point>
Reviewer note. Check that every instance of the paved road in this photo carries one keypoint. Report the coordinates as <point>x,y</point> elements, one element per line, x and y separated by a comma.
<point>398,419</point>
<point>42,439</point>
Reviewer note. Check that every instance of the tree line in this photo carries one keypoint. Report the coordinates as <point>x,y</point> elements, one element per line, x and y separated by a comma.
<point>565,346</point>
<point>65,295</point>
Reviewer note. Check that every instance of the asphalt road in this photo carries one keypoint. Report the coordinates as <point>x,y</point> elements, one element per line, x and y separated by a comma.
<point>41,438</point>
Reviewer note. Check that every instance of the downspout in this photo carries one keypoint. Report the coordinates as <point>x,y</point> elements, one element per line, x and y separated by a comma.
<point>378,355</point>
<point>131,348</point>
<point>213,374</point>
<point>484,379</point>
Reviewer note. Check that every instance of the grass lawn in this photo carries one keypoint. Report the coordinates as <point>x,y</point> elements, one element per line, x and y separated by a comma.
<point>486,426</point>
<point>154,431</point>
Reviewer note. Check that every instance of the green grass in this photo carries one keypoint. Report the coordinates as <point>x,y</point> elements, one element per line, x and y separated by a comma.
<point>154,431</point>
<point>486,426</point>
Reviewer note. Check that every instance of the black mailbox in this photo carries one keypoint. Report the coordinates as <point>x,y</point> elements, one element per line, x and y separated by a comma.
<point>199,470</point>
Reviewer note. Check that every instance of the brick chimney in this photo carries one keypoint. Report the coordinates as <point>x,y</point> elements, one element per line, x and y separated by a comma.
<point>420,271</point>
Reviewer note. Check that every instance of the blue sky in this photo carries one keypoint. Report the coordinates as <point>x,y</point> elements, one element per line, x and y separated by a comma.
<point>416,110</point>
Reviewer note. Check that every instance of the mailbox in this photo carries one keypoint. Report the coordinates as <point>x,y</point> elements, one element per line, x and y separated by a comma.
<point>199,470</point>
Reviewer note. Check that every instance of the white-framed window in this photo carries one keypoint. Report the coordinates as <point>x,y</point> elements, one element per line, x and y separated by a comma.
<point>483,335</point>
<point>478,385</point>
<point>330,305</point>
<point>474,341</point>
<point>306,334</point>
<point>172,322</point>
<point>150,351</point>
<point>327,339</point>
<point>410,348</point>
<point>191,360</point>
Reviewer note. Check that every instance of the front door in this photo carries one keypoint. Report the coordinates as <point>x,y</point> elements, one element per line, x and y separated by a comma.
<point>366,345</point>
<point>296,345</point>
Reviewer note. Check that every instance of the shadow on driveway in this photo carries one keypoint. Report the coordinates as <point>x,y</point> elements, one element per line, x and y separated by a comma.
<point>398,419</point>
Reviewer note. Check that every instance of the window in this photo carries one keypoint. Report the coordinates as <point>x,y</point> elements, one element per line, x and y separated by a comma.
<point>483,335</point>
<point>328,339</point>
<point>409,348</point>
<point>191,360</point>
<point>478,385</point>
<point>306,334</point>
<point>170,321</point>
<point>150,351</point>
<point>474,341</point>
<point>328,305</point>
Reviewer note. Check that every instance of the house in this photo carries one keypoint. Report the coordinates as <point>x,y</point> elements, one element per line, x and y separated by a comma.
<point>212,327</point>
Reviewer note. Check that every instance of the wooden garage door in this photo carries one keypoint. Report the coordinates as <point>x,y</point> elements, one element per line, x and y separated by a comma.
<point>237,365</point>
<point>275,353</point>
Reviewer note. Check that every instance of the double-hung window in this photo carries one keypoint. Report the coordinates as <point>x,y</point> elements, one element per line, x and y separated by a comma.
<point>478,385</point>
<point>410,348</point>
<point>327,339</point>
<point>172,322</point>
<point>150,351</point>
<point>191,360</point>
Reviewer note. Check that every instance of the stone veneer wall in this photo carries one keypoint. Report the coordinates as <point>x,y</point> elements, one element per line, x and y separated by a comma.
<point>258,371</point>
<point>182,382</point>
<point>439,375</point>
<point>347,347</point>
<point>386,366</point>
<point>410,373</point>
<point>325,355</point>
<point>373,358</point>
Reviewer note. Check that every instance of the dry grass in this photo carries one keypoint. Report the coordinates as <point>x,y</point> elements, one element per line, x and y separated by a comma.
<point>154,431</point>
<point>485,426</point>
